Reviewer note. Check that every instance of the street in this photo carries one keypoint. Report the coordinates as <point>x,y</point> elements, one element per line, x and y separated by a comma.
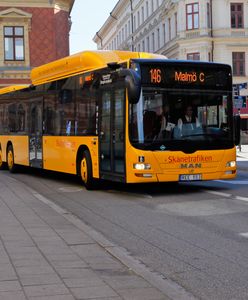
<point>194,234</point>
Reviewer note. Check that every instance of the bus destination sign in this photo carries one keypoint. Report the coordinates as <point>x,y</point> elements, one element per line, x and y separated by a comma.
<point>156,76</point>
<point>207,76</point>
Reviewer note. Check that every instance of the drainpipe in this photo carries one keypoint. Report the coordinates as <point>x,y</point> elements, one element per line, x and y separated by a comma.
<point>211,28</point>
<point>97,34</point>
<point>131,4</point>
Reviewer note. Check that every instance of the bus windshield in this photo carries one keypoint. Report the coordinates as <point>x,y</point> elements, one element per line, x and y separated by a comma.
<point>181,120</point>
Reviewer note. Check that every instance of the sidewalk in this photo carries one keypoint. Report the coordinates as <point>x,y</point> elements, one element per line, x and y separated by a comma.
<point>44,256</point>
<point>243,153</point>
<point>242,158</point>
<point>48,254</point>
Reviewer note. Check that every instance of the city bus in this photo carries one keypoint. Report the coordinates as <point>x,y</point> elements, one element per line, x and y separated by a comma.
<point>99,115</point>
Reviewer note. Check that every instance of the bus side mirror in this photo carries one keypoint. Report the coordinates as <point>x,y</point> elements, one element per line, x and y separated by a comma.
<point>133,84</point>
<point>236,124</point>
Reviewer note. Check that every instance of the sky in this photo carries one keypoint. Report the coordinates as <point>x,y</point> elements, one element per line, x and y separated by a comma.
<point>87,17</point>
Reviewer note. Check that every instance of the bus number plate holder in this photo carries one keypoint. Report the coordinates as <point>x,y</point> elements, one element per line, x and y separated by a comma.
<point>190,177</point>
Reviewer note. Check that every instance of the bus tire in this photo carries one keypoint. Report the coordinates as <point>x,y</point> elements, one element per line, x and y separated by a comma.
<point>2,164</point>
<point>10,159</point>
<point>86,171</point>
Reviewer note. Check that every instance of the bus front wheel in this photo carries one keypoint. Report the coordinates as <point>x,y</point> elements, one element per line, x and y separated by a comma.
<point>10,159</point>
<point>86,170</point>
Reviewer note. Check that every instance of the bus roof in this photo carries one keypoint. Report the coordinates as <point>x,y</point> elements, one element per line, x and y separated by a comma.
<point>82,62</point>
<point>12,88</point>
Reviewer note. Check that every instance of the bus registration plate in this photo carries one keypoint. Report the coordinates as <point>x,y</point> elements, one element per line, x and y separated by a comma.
<point>190,177</point>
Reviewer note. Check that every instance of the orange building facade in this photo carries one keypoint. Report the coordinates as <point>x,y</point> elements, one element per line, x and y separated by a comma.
<point>32,33</point>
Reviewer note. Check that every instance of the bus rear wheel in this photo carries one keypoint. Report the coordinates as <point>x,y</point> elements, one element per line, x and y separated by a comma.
<point>86,171</point>
<point>10,159</point>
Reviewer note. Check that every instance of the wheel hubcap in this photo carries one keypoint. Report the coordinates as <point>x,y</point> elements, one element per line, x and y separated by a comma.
<point>10,160</point>
<point>84,174</point>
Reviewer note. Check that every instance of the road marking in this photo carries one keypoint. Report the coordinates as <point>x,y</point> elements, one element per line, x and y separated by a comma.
<point>70,189</point>
<point>233,181</point>
<point>241,198</point>
<point>220,194</point>
<point>226,195</point>
<point>245,234</point>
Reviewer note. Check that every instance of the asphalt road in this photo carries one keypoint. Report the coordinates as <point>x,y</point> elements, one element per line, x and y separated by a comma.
<point>194,234</point>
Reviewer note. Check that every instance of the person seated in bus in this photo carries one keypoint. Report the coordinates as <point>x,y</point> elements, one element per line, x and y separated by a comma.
<point>166,124</point>
<point>150,124</point>
<point>188,122</point>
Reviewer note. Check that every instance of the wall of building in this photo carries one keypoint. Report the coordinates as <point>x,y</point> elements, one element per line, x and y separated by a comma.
<point>46,35</point>
<point>151,32</point>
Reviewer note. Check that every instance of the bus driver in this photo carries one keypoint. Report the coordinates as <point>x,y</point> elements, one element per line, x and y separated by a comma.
<point>188,122</point>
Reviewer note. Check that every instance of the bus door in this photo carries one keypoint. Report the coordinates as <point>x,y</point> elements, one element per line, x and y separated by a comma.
<point>35,136</point>
<point>112,133</point>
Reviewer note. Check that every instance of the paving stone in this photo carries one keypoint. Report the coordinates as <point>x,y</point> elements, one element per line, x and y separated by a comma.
<point>83,282</point>
<point>33,270</point>
<point>40,279</point>
<point>7,272</point>
<point>56,297</point>
<point>125,281</point>
<point>93,292</point>
<point>15,295</point>
<point>75,237</point>
<point>46,290</point>
<point>33,262</point>
<point>7,286</point>
<point>75,273</point>
<point>92,250</point>
<point>69,264</point>
<point>142,294</point>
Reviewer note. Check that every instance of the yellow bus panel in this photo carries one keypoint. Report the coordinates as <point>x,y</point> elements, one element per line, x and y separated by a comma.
<point>60,153</point>
<point>162,166</point>
<point>20,147</point>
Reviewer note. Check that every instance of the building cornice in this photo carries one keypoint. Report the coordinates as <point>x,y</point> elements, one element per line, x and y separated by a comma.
<point>14,13</point>
<point>61,4</point>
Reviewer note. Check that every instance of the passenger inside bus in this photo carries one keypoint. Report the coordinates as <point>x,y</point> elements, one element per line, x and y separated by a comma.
<point>166,124</point>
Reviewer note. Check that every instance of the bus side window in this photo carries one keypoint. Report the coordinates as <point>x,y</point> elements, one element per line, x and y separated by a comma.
<point>85,110</point>
<point>66,105</point>
<point>21,114</point>
<point>50,115</point>
<point>12,117</point>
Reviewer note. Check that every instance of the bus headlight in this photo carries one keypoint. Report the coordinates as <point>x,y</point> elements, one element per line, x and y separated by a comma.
<point>231,164</point>
<point>142,166</point>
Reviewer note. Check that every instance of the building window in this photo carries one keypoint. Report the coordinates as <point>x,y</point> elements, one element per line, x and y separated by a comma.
<point>14,43</point>
<point>193,56</point>
<point>153,42</point>
<point>134,22</point>
<point>148,44</point>
<point>209,15</point>
<point>169,25</point>
<point>237,15</point>
<point>164,32</point>
<point>158,35</point>
<point>238,59</point>
<point>192,16</point>
<point>175,15</point>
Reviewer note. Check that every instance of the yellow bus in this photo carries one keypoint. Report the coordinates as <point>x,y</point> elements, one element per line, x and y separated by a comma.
<point>120,116</point>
